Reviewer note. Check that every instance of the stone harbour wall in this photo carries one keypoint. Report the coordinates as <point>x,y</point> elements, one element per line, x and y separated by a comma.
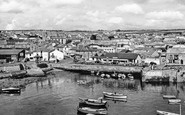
<point>174,75</point>
<point>100,68</point>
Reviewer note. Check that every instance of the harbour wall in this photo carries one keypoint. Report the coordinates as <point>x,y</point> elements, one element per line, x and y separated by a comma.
<point>98,68</point>
<point>173,74</point>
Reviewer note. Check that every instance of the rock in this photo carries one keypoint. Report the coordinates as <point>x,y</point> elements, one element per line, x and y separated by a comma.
<point>35,72</point>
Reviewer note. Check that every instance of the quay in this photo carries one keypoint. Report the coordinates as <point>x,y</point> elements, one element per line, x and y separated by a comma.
<point>96,68</point>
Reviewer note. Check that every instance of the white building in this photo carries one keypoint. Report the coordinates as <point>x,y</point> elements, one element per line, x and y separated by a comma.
<point>56,55</point>
<point>43,54</point>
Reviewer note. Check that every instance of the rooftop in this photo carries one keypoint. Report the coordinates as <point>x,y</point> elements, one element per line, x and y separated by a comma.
<point>10,51</point>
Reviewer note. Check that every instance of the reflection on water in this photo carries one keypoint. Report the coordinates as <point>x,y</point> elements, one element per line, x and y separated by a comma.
<point>59,96</point>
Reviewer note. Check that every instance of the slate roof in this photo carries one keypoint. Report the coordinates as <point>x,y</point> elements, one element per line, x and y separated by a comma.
<point>10,51</point>
<point>121,55</point>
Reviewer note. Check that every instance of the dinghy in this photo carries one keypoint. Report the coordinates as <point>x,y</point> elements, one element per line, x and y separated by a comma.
<point>165,113</point>
<point>91,111</point>
<point>11,90</point>
<point>114,95</point>
<point>93,102</point>
<point>130,76</point>
<point>169,96</point>
<point>174,101</point>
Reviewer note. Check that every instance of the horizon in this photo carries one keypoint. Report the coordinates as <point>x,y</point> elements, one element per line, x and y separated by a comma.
<point>92,15</point>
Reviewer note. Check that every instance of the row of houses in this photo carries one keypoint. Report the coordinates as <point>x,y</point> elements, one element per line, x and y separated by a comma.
<point>17,55</point>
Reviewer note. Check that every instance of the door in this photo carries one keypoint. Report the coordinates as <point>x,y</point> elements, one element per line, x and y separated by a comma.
<point>181,61</point>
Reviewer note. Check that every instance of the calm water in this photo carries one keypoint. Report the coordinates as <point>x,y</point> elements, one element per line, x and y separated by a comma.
<point>59,96</point>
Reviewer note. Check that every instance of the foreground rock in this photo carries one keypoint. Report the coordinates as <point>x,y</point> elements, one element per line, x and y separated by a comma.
<point>21,82</point>
<point>35,72</point>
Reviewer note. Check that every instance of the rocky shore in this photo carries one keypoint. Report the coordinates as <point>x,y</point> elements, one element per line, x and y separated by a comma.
<point>13,75</point>
<point>22,82</point>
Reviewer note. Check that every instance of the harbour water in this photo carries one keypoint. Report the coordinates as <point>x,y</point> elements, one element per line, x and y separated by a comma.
<point>59,95</point>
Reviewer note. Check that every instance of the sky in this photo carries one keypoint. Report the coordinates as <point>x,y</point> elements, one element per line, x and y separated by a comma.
<point>92,14</point>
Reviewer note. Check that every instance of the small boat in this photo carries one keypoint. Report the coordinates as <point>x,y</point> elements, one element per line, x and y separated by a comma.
<point>174,101</point>
<point>169,96</point>
<point>121,76</point>
<point>165,113</point>
<point>107,75</point>
<point>91,111</point>
<point>114,95</point>
<point>11,90</point>
<point>102,75</point>
<point>130,76</point>
<point>81,82</point>
<point>93,102</point>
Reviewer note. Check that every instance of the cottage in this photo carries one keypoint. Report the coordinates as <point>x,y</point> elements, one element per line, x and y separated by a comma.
<point>41,54</point>
<point>56,55</point>
<point>12,55</point>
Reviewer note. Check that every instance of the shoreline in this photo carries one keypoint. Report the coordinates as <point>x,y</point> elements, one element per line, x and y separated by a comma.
<point>21,82</point>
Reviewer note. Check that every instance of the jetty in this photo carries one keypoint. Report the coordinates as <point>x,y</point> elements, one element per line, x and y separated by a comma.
<point>96,68</point>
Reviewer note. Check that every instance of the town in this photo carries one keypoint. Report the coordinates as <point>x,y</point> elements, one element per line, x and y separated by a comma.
<point>148,56</point>
<point>155,49</point>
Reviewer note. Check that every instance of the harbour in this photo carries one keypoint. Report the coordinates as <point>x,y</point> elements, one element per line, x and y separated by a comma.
<point>60,95</point>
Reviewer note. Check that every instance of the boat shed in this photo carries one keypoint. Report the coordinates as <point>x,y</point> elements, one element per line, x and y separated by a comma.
<point>12,55</point>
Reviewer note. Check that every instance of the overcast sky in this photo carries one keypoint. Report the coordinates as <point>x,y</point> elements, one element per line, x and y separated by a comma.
<point>92,14</point>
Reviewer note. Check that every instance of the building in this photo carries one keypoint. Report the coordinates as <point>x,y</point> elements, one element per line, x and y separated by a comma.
<point>56,55</point>
<point>12,55</point>
<point>121,58</point>
<point>175,56</point>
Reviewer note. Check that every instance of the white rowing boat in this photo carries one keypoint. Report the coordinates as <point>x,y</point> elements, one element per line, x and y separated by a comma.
<point>91,111</point>
<point>165,113</point>
<point>174,101</point>
<point>169,96</point>
<point>114,95</point>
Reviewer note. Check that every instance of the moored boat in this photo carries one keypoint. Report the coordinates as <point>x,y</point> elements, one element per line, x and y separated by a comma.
<point>130,76</point>
<point>122,76</point>
<point>174,101</point>
<point>11,90</point>
<point>93,102</point>
<point>81,82</point>
<point>165,113</point>
<point>114,95</point>
<point>169,96</point>
<point>87,110</point>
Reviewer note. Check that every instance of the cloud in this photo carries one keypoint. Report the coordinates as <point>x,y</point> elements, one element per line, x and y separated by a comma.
<point>58,3</point>
<point>115,20</point>
<point>130,8</point>
<point>165,15</point>
<point>11,26</point>
<point>12,6</point>
<point>160,1</point>
<point>93,13</point>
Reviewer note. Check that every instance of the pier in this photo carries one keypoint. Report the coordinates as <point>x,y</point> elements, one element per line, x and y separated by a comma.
<point>83,68</point>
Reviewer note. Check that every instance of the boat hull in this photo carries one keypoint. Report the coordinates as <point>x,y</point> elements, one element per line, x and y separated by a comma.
<point>174,101</point>
<point>93,102</point>
<point>165,113</point>
<point>11,90</point>
<point>114,96</point>
<point>169,96</point>
<point>86,110</point>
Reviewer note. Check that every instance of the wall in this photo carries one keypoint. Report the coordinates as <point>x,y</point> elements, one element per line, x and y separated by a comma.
<point>156,60</point>
<point>173,74</point>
